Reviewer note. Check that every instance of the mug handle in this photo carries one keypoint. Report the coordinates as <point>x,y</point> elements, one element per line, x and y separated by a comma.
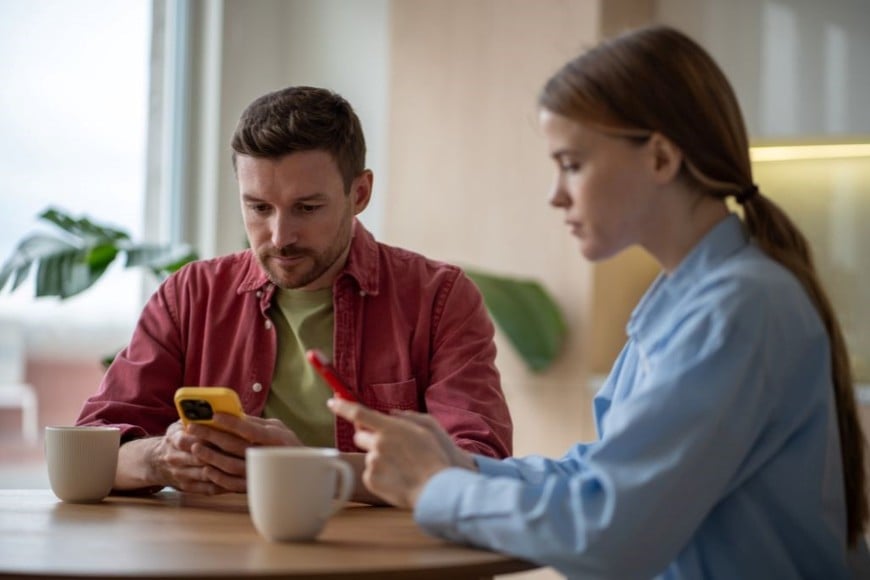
<point>346,478</point>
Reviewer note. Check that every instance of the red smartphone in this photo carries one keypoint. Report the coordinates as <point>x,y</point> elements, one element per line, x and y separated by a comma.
<point>322,365</point>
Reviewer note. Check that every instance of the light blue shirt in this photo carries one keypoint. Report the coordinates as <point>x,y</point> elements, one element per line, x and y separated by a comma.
<point>718,454</point>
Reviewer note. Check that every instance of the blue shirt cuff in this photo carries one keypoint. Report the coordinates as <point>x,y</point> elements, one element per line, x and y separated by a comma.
<point>495,467</point>
<point>438,505</point>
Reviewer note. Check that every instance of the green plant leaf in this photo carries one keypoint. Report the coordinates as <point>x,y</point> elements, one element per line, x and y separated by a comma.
<point>175,264</point>
<point>153,255</point>
<point>20,276</point>
<point>31,249</point>
<point>161,260</point>
<point>100,256</point>
<point>48,277</point>
<point>72,260</point>
<point>527,314</point>
<point>83,228</point>
<point>64,274</point>
<point>107,360</point>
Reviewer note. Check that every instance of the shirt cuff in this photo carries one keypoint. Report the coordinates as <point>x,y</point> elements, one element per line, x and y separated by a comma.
<point>495,467</point>
<point>438,505</point>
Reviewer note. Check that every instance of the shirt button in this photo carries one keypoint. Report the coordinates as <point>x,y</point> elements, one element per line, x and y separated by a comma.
<point>362,292</point>
<point>259,293</point>
<point>256,387</point>
<point>268,325</point>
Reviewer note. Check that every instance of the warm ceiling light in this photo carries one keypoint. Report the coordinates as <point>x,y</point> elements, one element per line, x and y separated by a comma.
<point>797,152</point>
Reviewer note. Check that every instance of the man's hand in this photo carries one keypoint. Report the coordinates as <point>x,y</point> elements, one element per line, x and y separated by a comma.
<point>199,458</point>
<point>404,451</point>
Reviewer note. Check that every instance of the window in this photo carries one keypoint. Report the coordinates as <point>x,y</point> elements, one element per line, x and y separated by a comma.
<point>73,114</point>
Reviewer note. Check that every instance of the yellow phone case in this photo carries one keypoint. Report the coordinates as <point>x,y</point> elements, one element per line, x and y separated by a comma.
<point>199,404</point>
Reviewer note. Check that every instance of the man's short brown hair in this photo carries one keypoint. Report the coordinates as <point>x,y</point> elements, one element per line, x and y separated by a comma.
<point>302,119</point>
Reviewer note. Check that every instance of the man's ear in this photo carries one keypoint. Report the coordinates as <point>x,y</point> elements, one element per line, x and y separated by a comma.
<point>361,190</point>
<point>667,158</point>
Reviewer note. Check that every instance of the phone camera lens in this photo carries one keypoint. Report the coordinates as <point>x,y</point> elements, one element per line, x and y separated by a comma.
<point>197,409</point>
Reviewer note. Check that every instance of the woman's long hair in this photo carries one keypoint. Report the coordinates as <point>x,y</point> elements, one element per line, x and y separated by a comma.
<point>656,79</point>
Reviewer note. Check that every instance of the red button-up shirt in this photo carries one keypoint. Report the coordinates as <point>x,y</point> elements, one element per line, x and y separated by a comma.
<point>410,333</point>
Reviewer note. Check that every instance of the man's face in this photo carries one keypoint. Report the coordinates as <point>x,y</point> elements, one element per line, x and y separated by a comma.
<point>298,216</point>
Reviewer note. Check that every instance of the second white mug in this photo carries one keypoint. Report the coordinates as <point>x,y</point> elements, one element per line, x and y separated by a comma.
<point>292,490</point>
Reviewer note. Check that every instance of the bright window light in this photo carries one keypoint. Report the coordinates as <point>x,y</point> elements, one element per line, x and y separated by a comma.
<point>73,113</point>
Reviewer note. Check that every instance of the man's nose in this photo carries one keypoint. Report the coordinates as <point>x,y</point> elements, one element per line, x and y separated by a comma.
<point>284,230</point>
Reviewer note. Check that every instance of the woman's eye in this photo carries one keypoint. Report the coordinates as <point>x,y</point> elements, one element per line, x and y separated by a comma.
<point>569,167</point>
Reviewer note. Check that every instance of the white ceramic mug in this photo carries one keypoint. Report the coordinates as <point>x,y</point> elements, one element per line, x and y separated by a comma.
<point>81,461</point>
<point>292,490</point>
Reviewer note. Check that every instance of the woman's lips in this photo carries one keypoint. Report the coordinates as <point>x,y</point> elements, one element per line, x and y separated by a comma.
<point>576,229</point>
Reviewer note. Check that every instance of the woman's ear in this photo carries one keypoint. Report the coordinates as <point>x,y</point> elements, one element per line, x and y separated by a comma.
<point>667,158</point>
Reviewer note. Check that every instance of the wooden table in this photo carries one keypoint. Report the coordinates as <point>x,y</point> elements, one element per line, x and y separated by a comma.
<point>173,535</point>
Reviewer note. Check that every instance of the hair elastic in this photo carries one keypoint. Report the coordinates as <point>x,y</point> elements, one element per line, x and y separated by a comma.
<point>746,194</point>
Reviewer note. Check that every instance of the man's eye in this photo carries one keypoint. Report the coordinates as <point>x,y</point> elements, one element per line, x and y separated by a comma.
<point>260,208</point>
<point>569,167</point>
<point>308,208</point>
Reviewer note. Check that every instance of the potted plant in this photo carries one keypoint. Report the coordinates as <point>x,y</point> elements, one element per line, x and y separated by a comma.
<point>527,315</point>
<point>69,261</point>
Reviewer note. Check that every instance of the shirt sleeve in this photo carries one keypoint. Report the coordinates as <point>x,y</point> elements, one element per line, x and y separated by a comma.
<point>134,391</point>
<point>464,391</point>
<point>668,453</point>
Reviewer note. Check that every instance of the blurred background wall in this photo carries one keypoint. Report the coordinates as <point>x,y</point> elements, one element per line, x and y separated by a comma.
<point>446,92</point>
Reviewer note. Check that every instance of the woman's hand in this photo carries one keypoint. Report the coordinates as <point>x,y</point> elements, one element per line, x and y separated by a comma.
<point>458,457</point>
<point>404,451</point>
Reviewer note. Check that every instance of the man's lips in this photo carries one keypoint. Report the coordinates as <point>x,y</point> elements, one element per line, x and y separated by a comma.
<point>288,260</point>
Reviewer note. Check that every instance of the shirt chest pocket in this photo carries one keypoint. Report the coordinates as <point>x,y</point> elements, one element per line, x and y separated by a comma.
<point>400,395</point>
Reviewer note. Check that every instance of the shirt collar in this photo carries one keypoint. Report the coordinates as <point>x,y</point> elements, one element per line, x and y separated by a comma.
<point>363,261</point>
<point>363,265</point>
<point>723,241</point>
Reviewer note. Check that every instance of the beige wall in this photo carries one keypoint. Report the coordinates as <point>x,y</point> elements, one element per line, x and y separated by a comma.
<point>469,179</point>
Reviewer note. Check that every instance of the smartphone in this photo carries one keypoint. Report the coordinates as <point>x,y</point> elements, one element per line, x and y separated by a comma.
<point>199,404</point>
<point>322,365</point>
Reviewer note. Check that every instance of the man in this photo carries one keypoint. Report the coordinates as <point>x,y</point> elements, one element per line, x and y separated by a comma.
<point>405,332</point>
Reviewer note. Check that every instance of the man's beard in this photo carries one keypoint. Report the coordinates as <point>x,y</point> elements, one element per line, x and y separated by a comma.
<point>312,267</point>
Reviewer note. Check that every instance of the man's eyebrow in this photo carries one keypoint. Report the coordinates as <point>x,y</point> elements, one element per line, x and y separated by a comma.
<point>313,197</point>
<point>305,198</point>
<point>563,152</point>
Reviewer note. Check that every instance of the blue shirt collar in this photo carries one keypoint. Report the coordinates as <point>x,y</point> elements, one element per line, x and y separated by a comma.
<point>723,241</point>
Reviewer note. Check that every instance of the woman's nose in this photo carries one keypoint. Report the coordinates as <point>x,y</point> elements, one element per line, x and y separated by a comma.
<point>558,197</point>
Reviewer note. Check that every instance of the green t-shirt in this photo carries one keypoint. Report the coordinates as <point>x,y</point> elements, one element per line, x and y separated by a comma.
<point>304,320</point>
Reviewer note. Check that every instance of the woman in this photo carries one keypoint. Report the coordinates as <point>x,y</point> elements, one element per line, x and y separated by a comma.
<point>729,442</point>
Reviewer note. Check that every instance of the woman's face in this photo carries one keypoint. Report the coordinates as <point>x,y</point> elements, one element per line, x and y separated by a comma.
<point>603,182</point>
